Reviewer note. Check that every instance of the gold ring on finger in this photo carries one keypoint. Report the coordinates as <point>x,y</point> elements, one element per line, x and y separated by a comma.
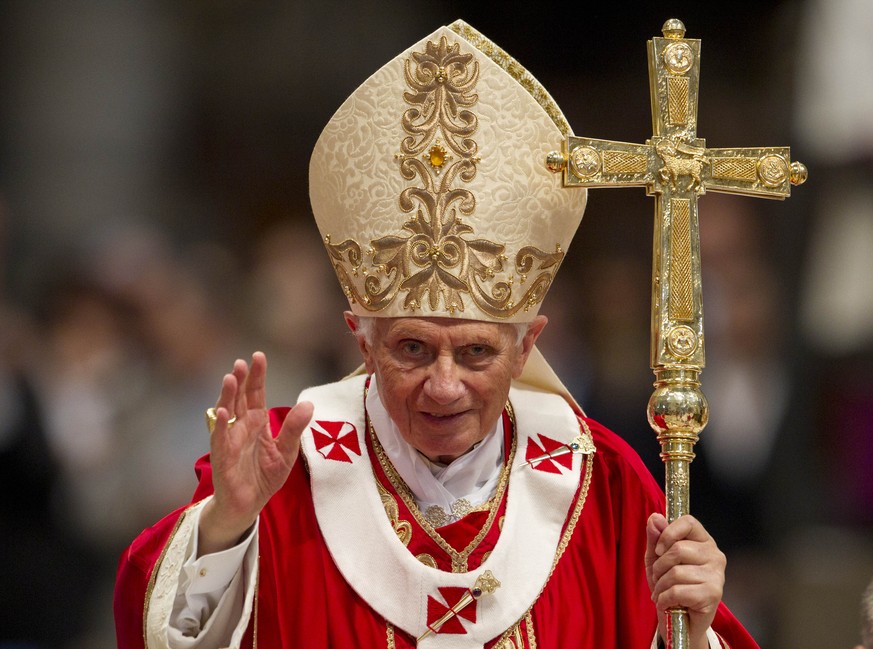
<point>212,417</point>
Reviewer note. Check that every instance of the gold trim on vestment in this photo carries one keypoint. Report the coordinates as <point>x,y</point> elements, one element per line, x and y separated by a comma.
<point>565,539</point>
<point>255,606</point>
<point>389,632</point>
<point>529,625</point>
<point>402,528</point>
<point>512,637</point>
<point>406,494</point>
<point>153,577</point>
<point>577,510</point>
<point>428,560</point>
<point>459,559</point>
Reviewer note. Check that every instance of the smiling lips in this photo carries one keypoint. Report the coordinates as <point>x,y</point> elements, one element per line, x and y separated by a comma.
<point>444,415</point>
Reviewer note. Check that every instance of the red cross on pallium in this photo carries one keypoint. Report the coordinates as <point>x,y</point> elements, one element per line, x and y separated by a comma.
<point>336,436</point>
<point>436,610</point>
<point>547,464</point>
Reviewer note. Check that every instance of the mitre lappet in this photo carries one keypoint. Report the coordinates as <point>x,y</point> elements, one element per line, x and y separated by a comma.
<point>430,189</point>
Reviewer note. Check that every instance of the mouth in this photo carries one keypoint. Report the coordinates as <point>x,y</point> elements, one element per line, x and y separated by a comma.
<point>444,417</point>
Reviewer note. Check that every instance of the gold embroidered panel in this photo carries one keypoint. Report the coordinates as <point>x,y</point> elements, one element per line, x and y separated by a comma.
<point>430,188</point>
<point>436,262</point>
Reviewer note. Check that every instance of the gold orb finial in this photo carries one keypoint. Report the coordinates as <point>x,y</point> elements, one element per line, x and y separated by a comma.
<point>799,173</point>
<point>673,28</point>
<point>555,161</point>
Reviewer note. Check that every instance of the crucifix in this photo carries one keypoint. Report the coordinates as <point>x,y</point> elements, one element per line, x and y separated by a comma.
<point>675,166</point>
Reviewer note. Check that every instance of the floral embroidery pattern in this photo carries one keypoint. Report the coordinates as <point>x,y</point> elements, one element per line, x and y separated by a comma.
<point>434,260</point>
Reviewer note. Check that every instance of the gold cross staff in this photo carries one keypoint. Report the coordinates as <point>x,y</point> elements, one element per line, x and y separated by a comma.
<point>676,167</point>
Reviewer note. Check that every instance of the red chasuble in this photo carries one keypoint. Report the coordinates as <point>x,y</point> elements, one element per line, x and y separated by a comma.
<point>596,596</point>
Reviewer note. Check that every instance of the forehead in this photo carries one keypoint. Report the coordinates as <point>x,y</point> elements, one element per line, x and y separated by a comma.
<point>443,329</point>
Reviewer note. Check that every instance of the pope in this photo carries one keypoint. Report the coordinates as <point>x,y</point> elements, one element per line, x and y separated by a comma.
<point>451,492</point>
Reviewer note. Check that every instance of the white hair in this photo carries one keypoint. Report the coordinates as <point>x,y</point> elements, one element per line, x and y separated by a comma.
<point>367,328</point>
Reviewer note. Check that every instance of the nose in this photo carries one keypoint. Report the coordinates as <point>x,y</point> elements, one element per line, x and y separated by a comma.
<point>443,384</point>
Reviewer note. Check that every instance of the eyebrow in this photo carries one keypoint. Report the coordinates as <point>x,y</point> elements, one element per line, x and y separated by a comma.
<point>486,339</point>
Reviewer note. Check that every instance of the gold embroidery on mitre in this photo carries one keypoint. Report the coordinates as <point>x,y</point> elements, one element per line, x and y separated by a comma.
<point>436,157</point>
<point>516,70</point>
<point>434,260</point>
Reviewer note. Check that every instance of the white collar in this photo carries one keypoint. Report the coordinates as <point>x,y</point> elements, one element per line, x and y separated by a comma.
<point>473,477</point>
<point>366,547</point>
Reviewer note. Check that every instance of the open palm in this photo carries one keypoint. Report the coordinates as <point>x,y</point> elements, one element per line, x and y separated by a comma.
<point>249,465</point>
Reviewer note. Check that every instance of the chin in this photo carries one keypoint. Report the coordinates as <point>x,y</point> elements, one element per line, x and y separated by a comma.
<point>450,449</point>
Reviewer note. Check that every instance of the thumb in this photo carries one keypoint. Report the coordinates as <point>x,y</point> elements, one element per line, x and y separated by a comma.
<point>288,440</point>
<point>656,524</point>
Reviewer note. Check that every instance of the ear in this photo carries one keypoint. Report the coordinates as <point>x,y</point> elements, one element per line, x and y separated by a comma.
<point>530,337</point>
<point>366,353</point>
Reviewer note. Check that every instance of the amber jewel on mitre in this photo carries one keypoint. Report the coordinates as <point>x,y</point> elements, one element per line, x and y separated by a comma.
<point>437,156</point>
<point>467,234</point>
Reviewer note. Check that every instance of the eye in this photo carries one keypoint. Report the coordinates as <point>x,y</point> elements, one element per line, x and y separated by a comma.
<point>477,350</point>
<point>411,348</point>
<point>477,353</point>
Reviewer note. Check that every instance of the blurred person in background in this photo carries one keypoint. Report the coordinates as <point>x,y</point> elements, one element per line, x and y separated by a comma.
<point>290,307</point>
<point>45,569</point>
<point>828,268</point>
<point>834,121</point>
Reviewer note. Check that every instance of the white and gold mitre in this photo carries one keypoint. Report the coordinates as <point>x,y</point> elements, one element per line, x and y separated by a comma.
<point>430,188</point>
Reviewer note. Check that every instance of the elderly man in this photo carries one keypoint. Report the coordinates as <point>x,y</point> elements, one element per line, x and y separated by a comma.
<point>450,493</point>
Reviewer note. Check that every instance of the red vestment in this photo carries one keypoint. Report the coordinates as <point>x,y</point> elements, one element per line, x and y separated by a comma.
<point>596,597</point>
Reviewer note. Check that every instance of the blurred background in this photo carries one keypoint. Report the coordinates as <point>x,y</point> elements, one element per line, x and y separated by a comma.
<point>154,226</point>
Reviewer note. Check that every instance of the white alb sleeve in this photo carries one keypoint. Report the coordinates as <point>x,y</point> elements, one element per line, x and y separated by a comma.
<point>206,601</point>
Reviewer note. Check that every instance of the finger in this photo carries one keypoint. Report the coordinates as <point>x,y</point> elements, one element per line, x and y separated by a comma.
<point>288,441</point>
<point>692,553</point>
<point>699,597</point>
<point>219,438</point>
<point>222,421</point>
<point>654,527</point>
<point>689,563</point>
<point>227,396</point>
<point>706,576</point>
<point>684,527</point>
<point>241,372</point>
<point>255,388</point>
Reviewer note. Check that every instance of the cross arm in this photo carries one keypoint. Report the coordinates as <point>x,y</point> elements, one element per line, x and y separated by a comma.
<point>589,162</point>
<point>766,172</point>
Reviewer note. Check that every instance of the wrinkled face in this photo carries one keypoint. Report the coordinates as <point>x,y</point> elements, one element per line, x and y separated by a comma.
<point>445,382</point>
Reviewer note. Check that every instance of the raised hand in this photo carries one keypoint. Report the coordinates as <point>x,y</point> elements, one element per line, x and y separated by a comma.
<point>249,465</point>
<point>685,568</point>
